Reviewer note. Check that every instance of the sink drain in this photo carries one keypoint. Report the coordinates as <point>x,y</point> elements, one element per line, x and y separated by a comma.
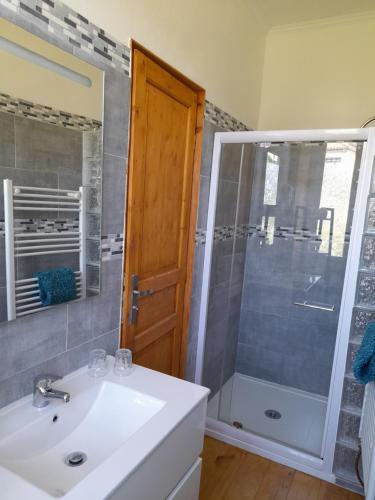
<point>75,459</point>
<point>274,414</point>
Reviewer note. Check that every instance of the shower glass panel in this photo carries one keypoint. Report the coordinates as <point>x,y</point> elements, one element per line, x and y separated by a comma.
<point>282,229</point>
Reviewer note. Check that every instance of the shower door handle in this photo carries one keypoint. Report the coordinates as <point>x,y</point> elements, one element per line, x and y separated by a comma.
<point>329,308</point>
<point>134,308</point>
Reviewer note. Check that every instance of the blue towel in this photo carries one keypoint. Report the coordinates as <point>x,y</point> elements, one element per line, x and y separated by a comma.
<point>364,363</point>
<point>56,286</point>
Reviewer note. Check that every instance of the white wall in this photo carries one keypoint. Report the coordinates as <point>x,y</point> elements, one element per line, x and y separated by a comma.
<point>217,43</point>
<point>320,75</point>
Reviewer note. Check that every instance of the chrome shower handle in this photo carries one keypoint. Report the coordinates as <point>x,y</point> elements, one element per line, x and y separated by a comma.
<point>329,308</point>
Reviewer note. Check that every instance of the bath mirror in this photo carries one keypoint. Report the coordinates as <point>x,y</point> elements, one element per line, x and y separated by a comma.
<point>51,111</point>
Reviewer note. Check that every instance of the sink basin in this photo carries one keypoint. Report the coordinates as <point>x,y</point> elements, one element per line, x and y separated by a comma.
<point>101,416</point>
<point>112,428</point>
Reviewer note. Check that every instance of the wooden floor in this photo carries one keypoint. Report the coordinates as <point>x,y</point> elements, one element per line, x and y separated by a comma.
<point>229,473</point>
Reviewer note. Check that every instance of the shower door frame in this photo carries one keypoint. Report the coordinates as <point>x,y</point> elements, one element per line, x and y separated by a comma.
<point>319,467</point>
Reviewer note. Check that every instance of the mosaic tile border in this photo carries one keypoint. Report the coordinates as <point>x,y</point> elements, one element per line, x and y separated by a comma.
<point>44,225</point>
<point>26,109</point>
<point>222,233</point>
<point>112,246</point>
<point>65,23</point>
<point>219,117</point>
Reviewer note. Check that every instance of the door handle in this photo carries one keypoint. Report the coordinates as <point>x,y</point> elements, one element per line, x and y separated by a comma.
<point>134,308</point>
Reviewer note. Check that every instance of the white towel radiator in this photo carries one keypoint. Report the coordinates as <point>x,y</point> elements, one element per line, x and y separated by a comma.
<point>23,295</point>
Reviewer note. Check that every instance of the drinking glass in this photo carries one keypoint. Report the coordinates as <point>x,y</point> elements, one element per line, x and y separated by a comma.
<point>123,362</point>
<point>98,363</point>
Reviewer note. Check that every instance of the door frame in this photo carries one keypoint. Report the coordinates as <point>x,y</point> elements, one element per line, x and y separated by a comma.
<point>200,93</point>
<point>299,460</point>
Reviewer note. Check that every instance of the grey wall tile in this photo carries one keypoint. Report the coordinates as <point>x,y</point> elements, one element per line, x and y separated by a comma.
<point>79,327</point>
<point>106,306</point>
<point>56,340</point>
<point>230,162</point>
<point>114,170</point>
<point>226,203</point>
<point>23,177</point>
<point>198,270</point>
<point>29,340</point>
<point>41,146</point>
<point>7,140</point>
<point>207,148</point>
<point>21,383</point>
<point>3,304</point>
<point>116,113</point>
<point>79,356</point>
<point>204,192</point>
<point>193,338</point>
<point>2,261</point>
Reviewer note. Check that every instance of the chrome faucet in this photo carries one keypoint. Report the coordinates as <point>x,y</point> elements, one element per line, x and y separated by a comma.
<point>43,391</point>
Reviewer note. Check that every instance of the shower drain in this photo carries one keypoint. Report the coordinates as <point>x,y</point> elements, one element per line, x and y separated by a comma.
<point>75,459</point>
<point>237,425</point>
<point>274,414</point>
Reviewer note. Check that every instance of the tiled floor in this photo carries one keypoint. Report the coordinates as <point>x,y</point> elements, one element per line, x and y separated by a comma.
<point>232,474</point>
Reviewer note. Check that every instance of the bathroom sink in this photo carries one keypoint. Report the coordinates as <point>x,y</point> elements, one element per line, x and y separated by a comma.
<point>59,445</point>
<point>100,440</point>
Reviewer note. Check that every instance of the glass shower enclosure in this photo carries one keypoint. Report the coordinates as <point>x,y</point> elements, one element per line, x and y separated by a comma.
<point>278,288</point>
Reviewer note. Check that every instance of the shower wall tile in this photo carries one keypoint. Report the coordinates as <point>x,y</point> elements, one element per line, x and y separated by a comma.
<point>212,373</point>
<point>221,262</point>
<point>204,193</point>
<point>257,361</point>
<point>198,270</point>
<point>226,203</point>
<point>193,338</point>
<point>230,162</point>
<point>3,304</point>
<point>207,147</point>
<point>282,261</point>
<point>244,199</point>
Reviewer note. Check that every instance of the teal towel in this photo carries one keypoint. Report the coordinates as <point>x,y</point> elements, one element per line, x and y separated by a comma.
<point>56,286</point>
<point>364,363</point>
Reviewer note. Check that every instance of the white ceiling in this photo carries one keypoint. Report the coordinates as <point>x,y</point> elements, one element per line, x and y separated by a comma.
<point>280,12</point>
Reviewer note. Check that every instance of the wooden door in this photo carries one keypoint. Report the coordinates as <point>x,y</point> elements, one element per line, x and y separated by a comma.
<point>164,163</point>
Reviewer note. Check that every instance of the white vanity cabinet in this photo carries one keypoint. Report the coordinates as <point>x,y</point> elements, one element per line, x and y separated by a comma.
<point>172,470</point>
<point>141,435</point>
